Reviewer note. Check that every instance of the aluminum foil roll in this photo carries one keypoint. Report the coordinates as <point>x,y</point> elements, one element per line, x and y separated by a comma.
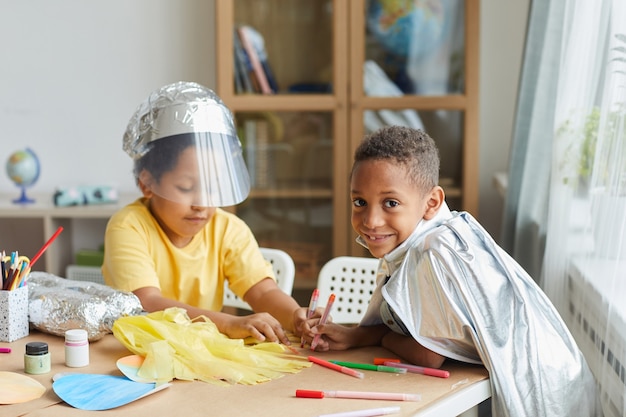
<point>58,304</point>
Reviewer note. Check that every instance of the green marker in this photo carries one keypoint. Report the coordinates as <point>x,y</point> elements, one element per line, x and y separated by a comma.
<point>370,367</point>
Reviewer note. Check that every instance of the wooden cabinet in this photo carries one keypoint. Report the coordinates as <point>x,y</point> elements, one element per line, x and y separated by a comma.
<point>327,58</point>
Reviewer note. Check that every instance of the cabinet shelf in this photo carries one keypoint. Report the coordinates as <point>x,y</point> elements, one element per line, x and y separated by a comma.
<point>448,102</point>
<point>291,193</point>
<point>281,102</point>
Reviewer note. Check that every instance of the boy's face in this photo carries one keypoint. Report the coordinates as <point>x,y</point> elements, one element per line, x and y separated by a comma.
<point>386,206</point>
<point>180,220</point>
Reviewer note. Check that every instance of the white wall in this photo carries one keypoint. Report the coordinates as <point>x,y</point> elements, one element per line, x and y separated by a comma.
<point>503,29</point>
<point>72,73</point>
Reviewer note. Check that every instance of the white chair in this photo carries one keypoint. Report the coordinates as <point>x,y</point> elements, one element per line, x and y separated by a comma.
<point>284,270</point>
<point>84,273</point>
<point>353,280</point>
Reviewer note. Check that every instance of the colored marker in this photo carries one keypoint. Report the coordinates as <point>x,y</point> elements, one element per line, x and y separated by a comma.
<point>312,306</point>
<point>365,413</point>
<point>329,306</point>
<point>381,361</point>
<point>5,350</point>
<point>420,369</point>
<point>45,246</point>
<point>336,367</point>
<point>370,367</point>
<point>359,395</point>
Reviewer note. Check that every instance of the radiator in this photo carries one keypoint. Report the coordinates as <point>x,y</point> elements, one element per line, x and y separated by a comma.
<point>597,319</point>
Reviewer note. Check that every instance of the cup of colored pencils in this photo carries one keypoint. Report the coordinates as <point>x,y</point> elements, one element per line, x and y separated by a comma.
<point>15,269</point>
<point>13,297</point>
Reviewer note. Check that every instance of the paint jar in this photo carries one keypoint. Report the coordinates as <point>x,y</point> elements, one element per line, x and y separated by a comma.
<point>37,358</point>
<point>76,348</point>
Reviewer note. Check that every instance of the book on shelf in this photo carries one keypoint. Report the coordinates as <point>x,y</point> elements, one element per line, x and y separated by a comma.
<point>253,57</point>
<point>243,68</point>
<point>258,43</point>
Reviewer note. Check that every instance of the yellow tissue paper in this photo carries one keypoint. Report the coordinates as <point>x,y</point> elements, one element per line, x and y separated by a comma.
<point>175,347</point>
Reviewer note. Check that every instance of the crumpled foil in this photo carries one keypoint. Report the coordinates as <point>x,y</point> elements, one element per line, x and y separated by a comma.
<point>174,109</point>
<point>57,304</point>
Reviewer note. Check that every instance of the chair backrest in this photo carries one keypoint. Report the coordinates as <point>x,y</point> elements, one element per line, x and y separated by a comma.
<point>284,270</point>
<point>353,280</point>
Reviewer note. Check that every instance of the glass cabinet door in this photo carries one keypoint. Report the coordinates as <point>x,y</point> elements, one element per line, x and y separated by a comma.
<point>292,40</point>
<point>414,47</point>
<point>290,207</point>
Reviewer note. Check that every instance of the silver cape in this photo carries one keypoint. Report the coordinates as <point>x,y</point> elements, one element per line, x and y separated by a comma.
<point>459,294</point>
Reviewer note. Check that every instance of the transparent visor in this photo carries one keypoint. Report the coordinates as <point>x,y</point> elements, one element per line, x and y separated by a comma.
<point>197,169</point>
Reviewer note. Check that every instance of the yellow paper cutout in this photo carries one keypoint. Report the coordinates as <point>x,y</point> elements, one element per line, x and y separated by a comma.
<point>175,347</point>
<point>17,388</point>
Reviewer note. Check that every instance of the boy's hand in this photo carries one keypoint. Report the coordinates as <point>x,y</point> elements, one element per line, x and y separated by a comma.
<point>334,336</point>
<point>302,324</point>
<point>339,337</point>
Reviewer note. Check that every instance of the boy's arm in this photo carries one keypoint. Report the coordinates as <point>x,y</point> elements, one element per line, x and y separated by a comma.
<point>409,349</point>
<point>339,337</point>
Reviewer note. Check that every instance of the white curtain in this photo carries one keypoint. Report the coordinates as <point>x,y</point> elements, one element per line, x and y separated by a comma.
<point>579,209</point>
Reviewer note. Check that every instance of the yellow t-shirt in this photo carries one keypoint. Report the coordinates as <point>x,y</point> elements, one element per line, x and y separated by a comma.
<point>138,254</point>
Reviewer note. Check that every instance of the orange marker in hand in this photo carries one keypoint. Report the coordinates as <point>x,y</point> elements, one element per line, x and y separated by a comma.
<point>329,306</point>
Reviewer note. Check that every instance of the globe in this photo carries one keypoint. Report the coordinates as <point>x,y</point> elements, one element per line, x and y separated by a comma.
<point>23,169</point>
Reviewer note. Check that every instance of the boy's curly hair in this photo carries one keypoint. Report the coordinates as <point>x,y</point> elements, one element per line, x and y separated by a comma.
<point>410,147</point>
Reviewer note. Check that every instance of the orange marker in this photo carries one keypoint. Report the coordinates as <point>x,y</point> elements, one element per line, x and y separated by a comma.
<point>329,306</point>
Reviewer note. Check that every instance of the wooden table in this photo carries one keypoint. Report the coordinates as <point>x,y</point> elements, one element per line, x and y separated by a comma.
<point>467,386</point>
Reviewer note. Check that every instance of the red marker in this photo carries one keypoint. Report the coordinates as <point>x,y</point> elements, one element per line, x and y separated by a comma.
<point>419,369</point>
<point>381,361</point>
<point>336,367</point>
<point>45,246</point>
<point>361,395</point>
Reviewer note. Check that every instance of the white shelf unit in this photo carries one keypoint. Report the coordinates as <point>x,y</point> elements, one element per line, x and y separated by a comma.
<point>26,228</point>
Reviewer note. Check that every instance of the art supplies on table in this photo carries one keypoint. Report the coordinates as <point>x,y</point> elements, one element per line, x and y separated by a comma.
<point>45,246</point>
<point>338,368</point>
<point>329,306</point>
<point>311,310</point>
<point>13,314</point>
<point>371,367</point>
<point>17,388</point>
<point>95,392</point>
<point>14,273</point>
<point>370,412</point>
<point>440,373</point>
<point>359,395</point>
<point>14,270</point>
